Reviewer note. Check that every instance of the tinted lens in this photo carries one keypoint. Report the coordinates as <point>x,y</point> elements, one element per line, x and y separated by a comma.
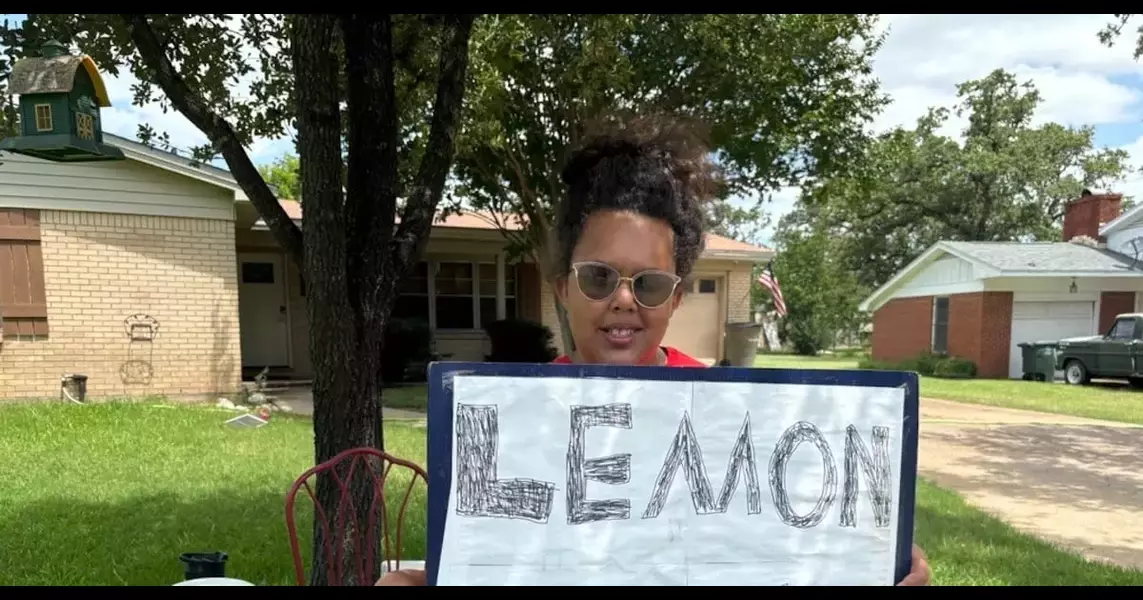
<point>596,281</point>
<point>653,289</point>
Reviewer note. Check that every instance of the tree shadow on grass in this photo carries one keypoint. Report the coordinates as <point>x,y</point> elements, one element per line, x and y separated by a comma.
<point>138,541</point>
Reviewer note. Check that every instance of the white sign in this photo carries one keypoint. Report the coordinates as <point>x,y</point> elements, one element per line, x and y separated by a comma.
<point>561,481</point>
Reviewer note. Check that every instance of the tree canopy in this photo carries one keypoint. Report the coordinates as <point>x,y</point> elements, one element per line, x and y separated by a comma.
<point>1004,179</point>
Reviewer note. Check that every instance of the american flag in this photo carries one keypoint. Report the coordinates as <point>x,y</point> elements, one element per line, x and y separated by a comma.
<point>770,282</point>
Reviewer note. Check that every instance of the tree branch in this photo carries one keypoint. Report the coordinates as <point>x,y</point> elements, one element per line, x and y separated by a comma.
<point>218,131</point>
<point>421,205</point>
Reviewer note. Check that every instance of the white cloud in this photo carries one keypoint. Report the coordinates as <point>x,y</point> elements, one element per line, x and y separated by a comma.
<point>1081,81</point>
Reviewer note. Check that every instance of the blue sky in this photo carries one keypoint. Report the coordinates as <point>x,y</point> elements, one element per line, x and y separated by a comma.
<point>924,57</point>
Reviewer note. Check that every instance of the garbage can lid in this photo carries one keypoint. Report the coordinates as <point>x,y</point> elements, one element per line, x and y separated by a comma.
<point>216,581</point>
<point>743,325</point>
<point>203,557</point>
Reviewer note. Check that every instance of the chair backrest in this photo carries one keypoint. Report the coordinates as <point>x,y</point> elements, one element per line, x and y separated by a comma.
<point>359,495</point>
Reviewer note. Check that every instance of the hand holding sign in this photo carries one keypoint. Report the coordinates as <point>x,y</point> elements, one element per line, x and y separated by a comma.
<point>573,475</point>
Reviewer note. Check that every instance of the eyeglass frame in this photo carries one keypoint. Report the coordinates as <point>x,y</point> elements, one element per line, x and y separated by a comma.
<point>629,280</point>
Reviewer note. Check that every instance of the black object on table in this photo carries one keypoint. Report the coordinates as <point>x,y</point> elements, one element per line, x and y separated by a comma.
<point>197,565</point>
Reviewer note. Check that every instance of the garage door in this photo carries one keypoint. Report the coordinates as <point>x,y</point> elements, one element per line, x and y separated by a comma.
<point>1032,321</point>
<point>694,327</point>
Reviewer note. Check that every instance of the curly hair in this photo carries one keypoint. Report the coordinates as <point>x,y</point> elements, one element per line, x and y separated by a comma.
<point>654,166</point>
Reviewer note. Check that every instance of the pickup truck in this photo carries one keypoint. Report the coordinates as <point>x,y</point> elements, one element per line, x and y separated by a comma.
<point>1118,354</point>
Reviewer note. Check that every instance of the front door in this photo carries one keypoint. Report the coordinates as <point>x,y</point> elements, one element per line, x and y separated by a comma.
<point>262,310</point>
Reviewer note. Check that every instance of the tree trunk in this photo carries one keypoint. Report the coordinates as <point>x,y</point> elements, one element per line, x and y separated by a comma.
<point>354,253</point>
<point>348,250</point>
<point>565,328</point>
<point>542,253</point>
<point>345,357</point>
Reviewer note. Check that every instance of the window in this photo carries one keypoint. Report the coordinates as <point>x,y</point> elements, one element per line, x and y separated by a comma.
<point>707,286</point>
<point>452,291</point>
<point>941,325</point>
<point>488,293</point>
<point>454,296</point>
<point>413,294</point>
<point>25,307</point>
<point>44,117</point>
<point>85,126</point>
<point>1124,330</point>
<point>257,272</point>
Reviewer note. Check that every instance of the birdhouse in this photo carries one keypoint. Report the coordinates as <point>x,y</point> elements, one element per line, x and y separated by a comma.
<point>60,97</point>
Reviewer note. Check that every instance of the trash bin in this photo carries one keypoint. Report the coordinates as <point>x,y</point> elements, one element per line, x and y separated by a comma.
<point>741,343</point>
<point>198,565</point>
<point>1038,360</point>
<point>74,387</point>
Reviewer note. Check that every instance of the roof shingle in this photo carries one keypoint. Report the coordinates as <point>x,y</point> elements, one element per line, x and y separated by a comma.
<point>1046,257</point>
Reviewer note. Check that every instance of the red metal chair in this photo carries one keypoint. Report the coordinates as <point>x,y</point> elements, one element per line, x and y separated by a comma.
<point>342,469</point>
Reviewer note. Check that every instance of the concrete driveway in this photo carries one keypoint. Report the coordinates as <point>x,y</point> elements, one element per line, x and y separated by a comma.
<point>301,401</point>
<point>1074,482</point>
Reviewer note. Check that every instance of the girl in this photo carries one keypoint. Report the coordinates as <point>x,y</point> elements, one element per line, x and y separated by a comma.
<point>628,233</point>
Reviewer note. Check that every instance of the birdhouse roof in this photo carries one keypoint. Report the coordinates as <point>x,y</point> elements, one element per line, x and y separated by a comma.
<point>55,75</point>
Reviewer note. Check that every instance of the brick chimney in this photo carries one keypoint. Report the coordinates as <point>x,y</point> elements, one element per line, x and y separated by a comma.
<point>1090,212</point>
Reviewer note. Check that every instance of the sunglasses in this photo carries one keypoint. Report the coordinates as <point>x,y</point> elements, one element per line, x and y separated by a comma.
<point>650,288</point>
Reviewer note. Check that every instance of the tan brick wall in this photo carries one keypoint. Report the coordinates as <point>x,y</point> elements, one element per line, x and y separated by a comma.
<point>100,269</point>
<point>738,295</point>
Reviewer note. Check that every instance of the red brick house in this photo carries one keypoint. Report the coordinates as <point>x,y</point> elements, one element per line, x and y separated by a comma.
<point>979,300</point>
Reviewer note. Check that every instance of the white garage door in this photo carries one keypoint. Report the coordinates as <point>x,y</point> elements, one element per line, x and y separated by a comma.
<point>694,327</point>
<point>1034,321</point>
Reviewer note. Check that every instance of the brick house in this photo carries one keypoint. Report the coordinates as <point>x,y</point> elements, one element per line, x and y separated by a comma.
<point>152,275</point>
<point>979,300</point>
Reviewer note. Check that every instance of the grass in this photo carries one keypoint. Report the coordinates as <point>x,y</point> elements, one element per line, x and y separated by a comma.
<point>967,547</point>
<point>112,494</point>
<point>406,397</point>
<point>1108,402</point>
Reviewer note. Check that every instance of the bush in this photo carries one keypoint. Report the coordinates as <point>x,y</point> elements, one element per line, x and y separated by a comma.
<point>927,364</point>
<point>518,340</point>
<point>955,368</point>
<point>407,341</point>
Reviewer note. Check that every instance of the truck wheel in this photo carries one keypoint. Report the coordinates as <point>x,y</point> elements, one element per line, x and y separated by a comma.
<point>1075,373</point>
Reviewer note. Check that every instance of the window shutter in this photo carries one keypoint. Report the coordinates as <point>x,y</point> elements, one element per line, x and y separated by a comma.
<point>23,303</point>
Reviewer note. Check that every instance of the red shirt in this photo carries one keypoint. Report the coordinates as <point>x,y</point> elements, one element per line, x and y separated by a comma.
<point>674,359</point>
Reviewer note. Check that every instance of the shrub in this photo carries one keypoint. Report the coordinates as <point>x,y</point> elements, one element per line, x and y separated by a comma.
<point>927,364</point>
<point>407,341</point>
<point>955,368</point>
<point>519,340</point>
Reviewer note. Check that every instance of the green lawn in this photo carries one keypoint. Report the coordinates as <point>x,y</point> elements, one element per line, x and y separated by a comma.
<point>407,397</point>
<point>1113,403</point>
<point>112,494</point>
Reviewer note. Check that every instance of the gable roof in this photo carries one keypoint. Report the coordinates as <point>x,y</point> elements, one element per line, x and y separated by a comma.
<point>1014,259</point>
<point>1047,258</point>
<point>717,246</point>
<point>175,163</point>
